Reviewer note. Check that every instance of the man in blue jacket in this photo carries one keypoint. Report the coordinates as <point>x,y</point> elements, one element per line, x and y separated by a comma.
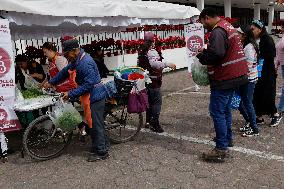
<point>89,81</point>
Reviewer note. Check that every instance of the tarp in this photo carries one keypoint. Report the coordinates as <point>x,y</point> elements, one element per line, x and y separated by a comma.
<point>50,18</point>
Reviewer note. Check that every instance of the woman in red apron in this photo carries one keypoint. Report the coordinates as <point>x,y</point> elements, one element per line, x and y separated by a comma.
<point>56,64</point>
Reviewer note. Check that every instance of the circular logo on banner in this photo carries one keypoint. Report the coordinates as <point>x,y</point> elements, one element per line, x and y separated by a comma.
<point>194,43</point>
<point>5,62</point>
<point>3,116</point>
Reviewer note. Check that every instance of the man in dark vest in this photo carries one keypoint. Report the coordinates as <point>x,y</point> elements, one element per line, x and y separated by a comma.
<point>150,59</point>
<point>227,69</point>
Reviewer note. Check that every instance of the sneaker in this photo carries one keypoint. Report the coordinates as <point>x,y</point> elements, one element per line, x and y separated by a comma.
<point>275,121</point>
<point>216,155</point>
<point>231,142</point>
<point>147,125</point>
<point>260,121</point>
<point>245,128</point>
<point>96,157</point>
<point>250,133</point>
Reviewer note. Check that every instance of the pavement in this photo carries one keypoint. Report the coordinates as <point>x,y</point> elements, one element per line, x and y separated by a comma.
<point>169,160</point>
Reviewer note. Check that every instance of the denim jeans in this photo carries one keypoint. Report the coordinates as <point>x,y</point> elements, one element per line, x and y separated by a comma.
<point>100,142</point>
<point>281,104</point>
<point>155,104</point>
<point>220,111</point>
<point>246,105</point>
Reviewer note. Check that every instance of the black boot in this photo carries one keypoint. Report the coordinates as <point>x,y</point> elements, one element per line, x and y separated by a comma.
<point>156,127</point>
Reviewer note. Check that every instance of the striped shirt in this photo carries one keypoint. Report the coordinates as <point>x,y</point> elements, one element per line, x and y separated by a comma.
<point>251,57</point>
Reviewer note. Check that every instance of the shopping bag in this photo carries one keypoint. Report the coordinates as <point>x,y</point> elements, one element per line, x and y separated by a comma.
<point>236,100</point>
<point>259,67</point>
<point>3,145</point>
<point>30,82</point>
<point>199,73</point>
<point>137,101</point>
<point>65,116</point>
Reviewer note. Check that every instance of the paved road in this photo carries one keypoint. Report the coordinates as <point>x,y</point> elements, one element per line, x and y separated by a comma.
<point>171,160</point>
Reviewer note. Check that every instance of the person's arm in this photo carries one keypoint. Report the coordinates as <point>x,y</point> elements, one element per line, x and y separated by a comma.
<point>280,47</point>
<point>217,48</point>
<point>250,54</point>
<point>62,75</point>
<point>61,62</point>
<point>91,77</point>
<point>154,60</point>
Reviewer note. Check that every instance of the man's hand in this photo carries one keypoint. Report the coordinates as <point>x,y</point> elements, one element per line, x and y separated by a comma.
<point>42,84</point>
<point>65,96</point>
<point>47,85</point>
<point>200,50</point>
<point>172,66</point>
<point>36,75</point>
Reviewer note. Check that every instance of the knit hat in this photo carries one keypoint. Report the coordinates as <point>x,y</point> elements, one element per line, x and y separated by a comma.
<point>70,44</point>
<point>258,23</point>
<point>149,36</point>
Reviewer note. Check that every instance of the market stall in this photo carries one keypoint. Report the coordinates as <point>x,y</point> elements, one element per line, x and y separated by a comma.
<point>35,19</point>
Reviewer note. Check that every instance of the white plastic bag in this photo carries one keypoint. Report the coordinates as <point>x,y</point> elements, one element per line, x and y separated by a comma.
<point>199,73</point>
<point>30,82</point>
<point>3,144</point>
<point>65,116</point>
<point>18,95</point>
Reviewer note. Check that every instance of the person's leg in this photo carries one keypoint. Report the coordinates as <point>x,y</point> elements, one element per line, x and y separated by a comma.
<point>247,98</point>
<point>275,115</point>
<point>149,110</point>
<point>219,100</point>
<point>281,104</point>
<point>156,105</point>
<point>228,116</point>
<point>220,112</point>
<point>243,111</point>
<point>98,135</point>
<point>250,107</point>
<point>243,90</point>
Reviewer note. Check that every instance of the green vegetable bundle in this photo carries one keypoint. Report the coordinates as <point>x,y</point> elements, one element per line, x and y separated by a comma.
<point>31,93</point>
<point>199,74</point>
<point>68,121</point>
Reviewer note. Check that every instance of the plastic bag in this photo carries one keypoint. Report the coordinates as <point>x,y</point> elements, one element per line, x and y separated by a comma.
<point>65,116</point>
<point>18,95</point>
<point>236,100</point>
<point>199,73</point>
<point>30,82</point>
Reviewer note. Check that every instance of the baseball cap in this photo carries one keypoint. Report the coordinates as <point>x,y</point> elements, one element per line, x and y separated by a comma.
<point>70,44</point>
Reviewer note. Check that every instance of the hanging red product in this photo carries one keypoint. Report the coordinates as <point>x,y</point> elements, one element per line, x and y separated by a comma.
<point>135,76</point>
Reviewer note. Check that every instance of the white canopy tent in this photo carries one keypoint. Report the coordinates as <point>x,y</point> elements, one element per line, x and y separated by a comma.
<point>49,18</point>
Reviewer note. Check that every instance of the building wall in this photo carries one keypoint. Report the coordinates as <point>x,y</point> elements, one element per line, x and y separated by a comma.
<point>245,16</point>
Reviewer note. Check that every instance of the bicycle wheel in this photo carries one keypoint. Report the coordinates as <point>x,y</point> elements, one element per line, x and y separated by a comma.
<point>122,126</point>
<point>43,141</point>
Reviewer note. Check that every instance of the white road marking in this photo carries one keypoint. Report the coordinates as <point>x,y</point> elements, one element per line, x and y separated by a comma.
<point>261,154</point>
<point>171,94</point>
<point>190,93</point>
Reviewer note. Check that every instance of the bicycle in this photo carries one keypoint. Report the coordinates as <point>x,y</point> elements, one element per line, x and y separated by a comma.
<point>43,140</point>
